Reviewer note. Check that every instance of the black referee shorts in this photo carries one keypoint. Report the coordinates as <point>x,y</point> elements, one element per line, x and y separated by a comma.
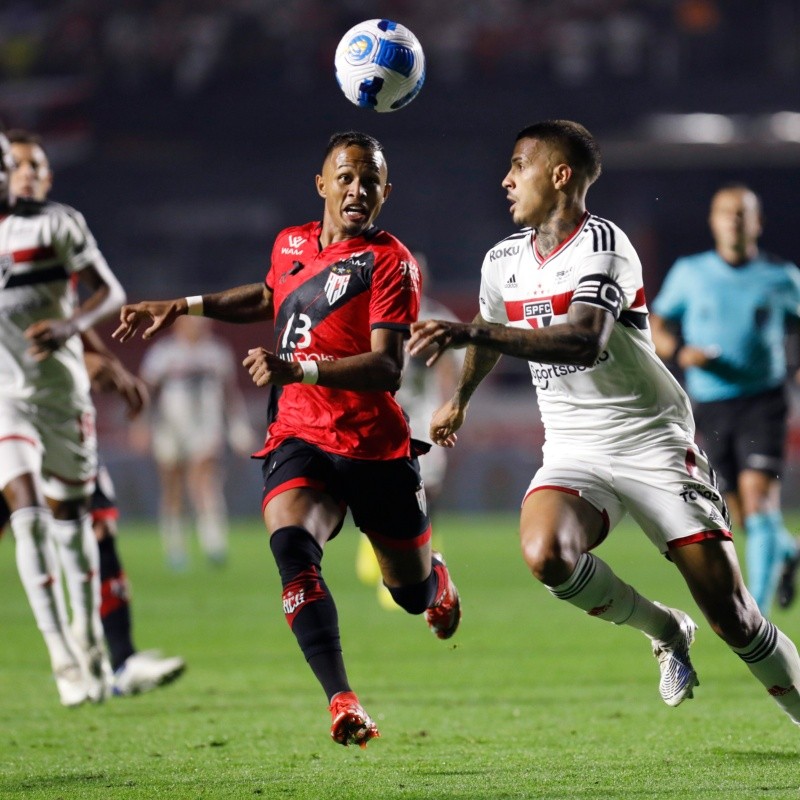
<point>744,433</point>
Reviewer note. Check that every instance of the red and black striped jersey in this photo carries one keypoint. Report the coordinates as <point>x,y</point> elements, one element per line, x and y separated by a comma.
<point>327,302</point>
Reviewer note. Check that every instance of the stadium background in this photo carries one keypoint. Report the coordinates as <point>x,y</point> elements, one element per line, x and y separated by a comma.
<point>189,132</point>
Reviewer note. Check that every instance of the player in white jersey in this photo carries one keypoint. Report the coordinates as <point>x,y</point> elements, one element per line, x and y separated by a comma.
<point>48,452</point>
<point>197,408</point>
<point>420,395</point>
<point>135,671</point>
<point>566,294</point>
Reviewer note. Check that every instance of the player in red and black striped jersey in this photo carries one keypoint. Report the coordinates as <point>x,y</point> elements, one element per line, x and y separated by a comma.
<point>342,294</point>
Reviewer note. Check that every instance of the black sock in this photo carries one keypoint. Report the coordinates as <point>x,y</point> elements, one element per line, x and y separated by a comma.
<point>309,607</point>
<point>419,596</point>
<point>115,609</point>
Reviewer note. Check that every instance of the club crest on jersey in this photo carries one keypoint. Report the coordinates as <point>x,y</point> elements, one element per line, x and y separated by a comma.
<point>337,282</point>
<point>6,265</point>
<point>538,313</point>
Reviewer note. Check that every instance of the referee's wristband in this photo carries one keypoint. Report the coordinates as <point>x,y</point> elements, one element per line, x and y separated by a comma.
<point>310,371</point>
<point>194,305</point>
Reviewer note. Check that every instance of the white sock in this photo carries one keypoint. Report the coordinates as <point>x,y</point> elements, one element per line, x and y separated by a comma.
<point>173,537</point>
<point>212,530</point>
<point>594,588</point>
<point>80,560</point>
<point>38,569</point>
<point>773,659</point>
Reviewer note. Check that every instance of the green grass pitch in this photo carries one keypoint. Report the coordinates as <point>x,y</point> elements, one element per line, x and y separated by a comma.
<point>531,699</point>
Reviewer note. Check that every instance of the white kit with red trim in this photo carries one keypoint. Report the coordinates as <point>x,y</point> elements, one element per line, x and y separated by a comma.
<point>42,247</point>
<point>628,393</point>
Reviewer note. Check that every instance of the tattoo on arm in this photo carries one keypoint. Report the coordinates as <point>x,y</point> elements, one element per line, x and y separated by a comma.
<point>478,363</point>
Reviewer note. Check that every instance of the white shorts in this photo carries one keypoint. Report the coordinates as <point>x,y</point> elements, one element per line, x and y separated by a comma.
<point>173,445</point>
<point>432,466</point>
<point>58,444</point>
<point>668,488</point>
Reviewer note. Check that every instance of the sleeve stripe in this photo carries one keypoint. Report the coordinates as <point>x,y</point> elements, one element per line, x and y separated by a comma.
<point>603,238</point>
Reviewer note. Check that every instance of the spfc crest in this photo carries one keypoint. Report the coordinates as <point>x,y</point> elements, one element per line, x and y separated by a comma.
<point>538,313</point>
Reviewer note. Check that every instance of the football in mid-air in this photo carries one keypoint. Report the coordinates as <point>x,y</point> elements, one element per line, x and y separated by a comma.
<point>380,65</point>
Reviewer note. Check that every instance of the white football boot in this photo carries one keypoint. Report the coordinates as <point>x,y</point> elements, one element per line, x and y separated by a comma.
<point>145,671</point>
<point>678,677</point>
<point>73,690</point>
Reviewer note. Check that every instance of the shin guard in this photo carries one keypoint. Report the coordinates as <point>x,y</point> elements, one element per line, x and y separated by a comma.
<point>307,603</point>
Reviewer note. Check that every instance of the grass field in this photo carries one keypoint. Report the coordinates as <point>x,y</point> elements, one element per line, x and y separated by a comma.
<point>531,699</point>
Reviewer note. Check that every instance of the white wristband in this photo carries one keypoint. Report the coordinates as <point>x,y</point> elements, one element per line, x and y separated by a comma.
<point>310,371</point>
<point>195,305</point>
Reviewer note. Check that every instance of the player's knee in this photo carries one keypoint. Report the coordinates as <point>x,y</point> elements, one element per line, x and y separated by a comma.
<point>294,550</point>
<point>298,557</point>
<point>547,559</point>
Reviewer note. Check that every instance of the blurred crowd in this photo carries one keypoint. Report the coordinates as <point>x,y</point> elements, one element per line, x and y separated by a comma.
<point>189,44</point>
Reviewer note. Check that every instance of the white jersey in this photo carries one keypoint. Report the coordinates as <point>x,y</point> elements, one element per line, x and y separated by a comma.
<point>42,247</point>
<point>190,379</point>
<point>628,396</point>
<point>420,393</point>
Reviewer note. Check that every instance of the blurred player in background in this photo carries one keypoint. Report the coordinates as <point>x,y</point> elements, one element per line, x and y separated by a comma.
<point>342,294</point>
<point>197,408</point>
<point>722,315</point>
<point>421,393</point>
<point>48,447</point>
<point>566,294</point>
<point>134,671</point>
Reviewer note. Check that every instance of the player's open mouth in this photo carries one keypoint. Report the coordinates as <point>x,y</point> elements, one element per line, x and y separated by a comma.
<point>355,213</point>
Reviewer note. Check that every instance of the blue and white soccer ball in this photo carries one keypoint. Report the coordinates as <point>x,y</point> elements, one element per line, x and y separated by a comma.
<point>380,65</point>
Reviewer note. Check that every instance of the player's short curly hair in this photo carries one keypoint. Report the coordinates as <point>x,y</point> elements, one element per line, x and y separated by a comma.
<point>352,139</point>
<point>578,144</point>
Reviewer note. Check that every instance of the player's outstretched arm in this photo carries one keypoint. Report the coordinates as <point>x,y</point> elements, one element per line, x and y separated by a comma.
<point>241,304</point>
<point>580,340</point>
<point>156,314</point>
<point>436,336</point>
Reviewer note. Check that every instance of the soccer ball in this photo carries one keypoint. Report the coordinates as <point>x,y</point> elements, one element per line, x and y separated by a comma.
<point>380,65</point>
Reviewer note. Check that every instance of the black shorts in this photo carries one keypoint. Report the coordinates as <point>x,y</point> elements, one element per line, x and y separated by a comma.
<point>386,498</point>
<point>103,503</point>
<point>744,433</point>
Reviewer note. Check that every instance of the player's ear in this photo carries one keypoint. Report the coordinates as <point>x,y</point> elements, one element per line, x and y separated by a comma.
<point>387,191</point>
<point>561,175</point>
<point>320,181</point>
